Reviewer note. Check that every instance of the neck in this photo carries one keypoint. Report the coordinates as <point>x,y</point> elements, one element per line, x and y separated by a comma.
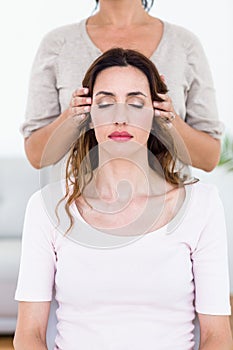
<point>120,13</point>
<point>123,177</point>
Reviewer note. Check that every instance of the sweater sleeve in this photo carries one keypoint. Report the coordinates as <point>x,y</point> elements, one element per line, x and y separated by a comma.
<point>38,257</point>
<point>201,108</point>
<point>43,98</point>
<point>210,262</point>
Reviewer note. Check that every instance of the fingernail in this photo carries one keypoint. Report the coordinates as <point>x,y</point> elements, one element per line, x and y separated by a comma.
<point>156,104</point>
<point>88,100</point>
<point>87,108</point>
<point>157,112</point>
<point>85,90</point>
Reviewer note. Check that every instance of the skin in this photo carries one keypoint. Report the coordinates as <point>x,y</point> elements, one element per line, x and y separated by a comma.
<point>121,23</point>
<point>107,93</point>
<point>31,329</point>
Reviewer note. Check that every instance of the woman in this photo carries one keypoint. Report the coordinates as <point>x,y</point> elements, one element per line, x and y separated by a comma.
<point>54,108</point>
<point>167,261</point>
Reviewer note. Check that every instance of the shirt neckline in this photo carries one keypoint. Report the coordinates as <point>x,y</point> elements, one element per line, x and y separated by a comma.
<point>93,46</point>
<point>166,229</point>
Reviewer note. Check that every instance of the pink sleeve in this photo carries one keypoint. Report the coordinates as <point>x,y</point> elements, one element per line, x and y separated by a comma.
<point>38,260</point>
<point>210,261</point>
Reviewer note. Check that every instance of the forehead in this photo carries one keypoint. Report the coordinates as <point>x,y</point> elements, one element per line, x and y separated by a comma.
<point>121,79</point>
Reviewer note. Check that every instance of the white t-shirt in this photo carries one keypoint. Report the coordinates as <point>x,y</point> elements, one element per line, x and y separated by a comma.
<point>141,295</point>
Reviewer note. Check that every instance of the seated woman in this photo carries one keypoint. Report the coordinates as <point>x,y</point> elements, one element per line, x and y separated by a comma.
<point>133,250</point>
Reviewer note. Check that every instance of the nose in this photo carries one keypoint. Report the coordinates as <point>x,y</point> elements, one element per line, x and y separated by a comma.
<point>120,123</point>
<point>120,115</point>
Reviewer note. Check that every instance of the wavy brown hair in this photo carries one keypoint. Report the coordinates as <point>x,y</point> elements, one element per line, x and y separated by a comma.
<point>83,157</point>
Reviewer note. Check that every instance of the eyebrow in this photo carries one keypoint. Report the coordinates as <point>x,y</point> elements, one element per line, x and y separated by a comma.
<point>133,93</point>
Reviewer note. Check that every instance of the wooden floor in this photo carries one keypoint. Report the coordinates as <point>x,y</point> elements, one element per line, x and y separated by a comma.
<point>231,318</point>
<point>6,342</point>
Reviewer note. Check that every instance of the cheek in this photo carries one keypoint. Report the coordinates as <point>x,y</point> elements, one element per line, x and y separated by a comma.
<point>142,119</point>
<point>101,120</point>
<point>101,117</point>
<point>101,133</point>
<point>141,136</point>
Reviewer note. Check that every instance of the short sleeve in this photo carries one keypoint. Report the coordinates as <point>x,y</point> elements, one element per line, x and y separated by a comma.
<point>201,107</point>
<point>38,258</point>
<point>43,100</point>
<point>210,262</point>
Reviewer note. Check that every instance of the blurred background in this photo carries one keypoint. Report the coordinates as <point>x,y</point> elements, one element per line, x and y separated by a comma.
<point>24,23</point>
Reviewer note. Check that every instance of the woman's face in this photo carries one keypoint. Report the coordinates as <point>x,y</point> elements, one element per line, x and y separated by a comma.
<point>122,109</point>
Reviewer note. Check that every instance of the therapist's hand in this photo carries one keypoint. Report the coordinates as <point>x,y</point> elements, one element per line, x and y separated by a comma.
<point>165,108</point>
<point>80,105</point>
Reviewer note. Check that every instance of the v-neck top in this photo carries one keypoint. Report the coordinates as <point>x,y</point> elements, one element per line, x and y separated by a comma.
<point>66,53</point>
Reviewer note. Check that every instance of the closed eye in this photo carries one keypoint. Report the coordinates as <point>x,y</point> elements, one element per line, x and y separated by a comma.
<point>136,105</point>
<point>105,105</point>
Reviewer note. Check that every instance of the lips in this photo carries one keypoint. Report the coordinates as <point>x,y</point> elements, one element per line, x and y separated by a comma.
<point>120,136</point>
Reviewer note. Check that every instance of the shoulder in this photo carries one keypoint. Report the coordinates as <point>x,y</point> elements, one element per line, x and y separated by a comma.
<point>205,187</point>
<point>57,37</point>
<point>42,204</point>
<point>66,31</point>
<point>35,210</point>
<point>182,34</point>
<point>199,199</point>
<point>205,196</point>
<point>205,214</point>
<point>182,37</point>
<point>35,200</point>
